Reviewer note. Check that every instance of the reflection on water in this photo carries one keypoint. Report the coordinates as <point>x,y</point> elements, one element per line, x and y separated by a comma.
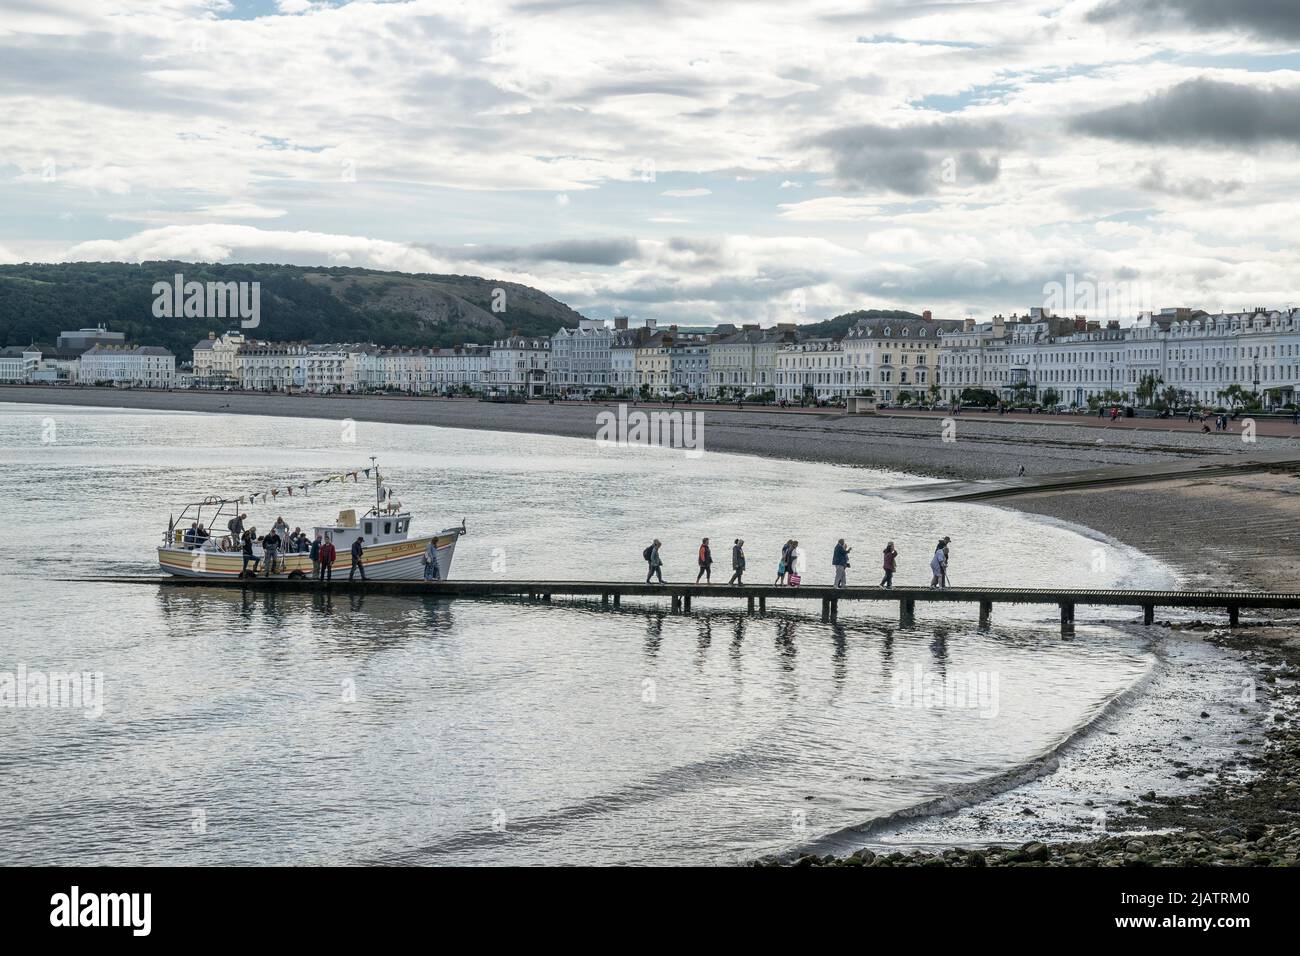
<point>351,728</point>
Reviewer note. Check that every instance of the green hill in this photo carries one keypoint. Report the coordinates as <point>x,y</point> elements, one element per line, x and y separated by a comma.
<point>298,303</point>
<point>837,326</point>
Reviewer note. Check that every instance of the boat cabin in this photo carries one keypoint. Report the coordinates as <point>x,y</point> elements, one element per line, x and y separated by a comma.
<point>373,528</point>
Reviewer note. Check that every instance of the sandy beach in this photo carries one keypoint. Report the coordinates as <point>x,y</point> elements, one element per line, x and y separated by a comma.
<point>1239,530</point>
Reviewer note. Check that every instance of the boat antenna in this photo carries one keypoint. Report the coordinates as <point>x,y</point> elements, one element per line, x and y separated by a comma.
<point>375,468</point>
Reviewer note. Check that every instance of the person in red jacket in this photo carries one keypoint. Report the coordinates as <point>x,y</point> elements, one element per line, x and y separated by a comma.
<point>327,556</point>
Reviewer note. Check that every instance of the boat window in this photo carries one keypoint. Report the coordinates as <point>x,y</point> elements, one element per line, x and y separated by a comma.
<point>401,526</point>
<point>369,527</point>
<point>388,527</point>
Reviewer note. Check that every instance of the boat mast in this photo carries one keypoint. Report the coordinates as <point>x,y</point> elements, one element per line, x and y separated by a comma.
<point>375,469</point>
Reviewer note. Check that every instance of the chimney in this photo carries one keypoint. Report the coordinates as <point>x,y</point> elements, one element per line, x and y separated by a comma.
<point>212,336</point>
<point>927,315</point>
<point>968,323</point>
<point>620,323</point>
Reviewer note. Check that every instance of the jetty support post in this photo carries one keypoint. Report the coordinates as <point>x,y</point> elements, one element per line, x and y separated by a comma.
<point>826,610</point>
<point>618,599</point>
<point>762,604</point>
<point>686,602</point>
<point>986,611</point>
<point>835,609</point>
<point>604,597</point>
<point>906,610</point>
<point>751,604</point>
<point>677,602</point>
<point>1067,613</point>
<point>1148,613</point>
<point>1234,615</point>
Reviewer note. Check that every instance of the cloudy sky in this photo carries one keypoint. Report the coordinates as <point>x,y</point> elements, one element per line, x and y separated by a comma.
<point>689,161</point>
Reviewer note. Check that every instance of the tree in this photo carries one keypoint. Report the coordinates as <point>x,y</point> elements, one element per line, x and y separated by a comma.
<point>1051,397</point>
<point>934,391</point>
<point>1234,395</point>
<point>1146,387</point>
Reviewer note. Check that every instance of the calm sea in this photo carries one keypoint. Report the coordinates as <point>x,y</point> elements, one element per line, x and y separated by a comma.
<point>257,728</point>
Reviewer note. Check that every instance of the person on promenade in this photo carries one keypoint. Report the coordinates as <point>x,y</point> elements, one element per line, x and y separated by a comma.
<point>795,565</point>
<point>738,562</point>
<point>327,556</point>
<point>314,552</point>
<point>651,555</point>
<point>706,563</point>
<point>357,565</point>
<point>891,562</point>
<point>939,564</point>
<point>783,567</point>
<point>431,571</point>
<point>840,561</point>
<point>249,557</point>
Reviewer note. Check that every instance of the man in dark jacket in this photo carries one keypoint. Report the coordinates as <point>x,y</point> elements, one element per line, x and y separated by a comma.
<point>248,553</point>
<point>706,563</point>
<point>357,551</point>
<point>314,551</point>
<point>840,561</point>
<point>737,562</point>
<point>271,548</point>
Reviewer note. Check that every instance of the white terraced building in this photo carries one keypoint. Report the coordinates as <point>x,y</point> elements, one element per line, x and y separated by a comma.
<point>143,366</point>
<point>892,356</point>
<point>442,371</point>
<point>580,359</point>
<point>812,368</point>
<point>1198,353</point>
<point>519,365</point>
<point>689,365</point>
<point>277,366</point>
<point>743,363</point>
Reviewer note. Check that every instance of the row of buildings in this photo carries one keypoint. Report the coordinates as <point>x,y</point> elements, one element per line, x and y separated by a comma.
<point>1034,357</point>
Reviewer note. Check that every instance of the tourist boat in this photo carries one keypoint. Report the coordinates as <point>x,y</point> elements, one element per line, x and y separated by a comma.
<point>392,551</point>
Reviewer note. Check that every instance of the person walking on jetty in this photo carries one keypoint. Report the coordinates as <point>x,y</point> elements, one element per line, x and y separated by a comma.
<point>327,555</point>
<point>655,564</point>
<point>738,562</point>
<point>706,563</point>
<point>796,565</point>
<point>939,564</point>
<point>890,564</point>
<point>783,568</point>
<point>840,561</point>
<point>358,550</point>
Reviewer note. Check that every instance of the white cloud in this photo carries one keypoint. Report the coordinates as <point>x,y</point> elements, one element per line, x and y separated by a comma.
<point>687,193</point>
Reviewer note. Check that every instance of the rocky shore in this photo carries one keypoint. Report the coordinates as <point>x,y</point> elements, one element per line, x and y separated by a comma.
<point>1242,819</point>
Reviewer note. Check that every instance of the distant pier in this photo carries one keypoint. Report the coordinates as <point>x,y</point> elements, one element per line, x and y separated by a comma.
<point>756,596</point>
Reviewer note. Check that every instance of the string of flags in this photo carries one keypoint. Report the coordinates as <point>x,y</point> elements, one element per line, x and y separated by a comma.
<point>304,488</point>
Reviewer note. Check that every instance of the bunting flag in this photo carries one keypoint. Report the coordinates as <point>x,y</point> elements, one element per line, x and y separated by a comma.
<point>341,478</point>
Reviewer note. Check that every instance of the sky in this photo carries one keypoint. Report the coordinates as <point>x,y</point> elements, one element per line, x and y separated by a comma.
<point>693,162</point>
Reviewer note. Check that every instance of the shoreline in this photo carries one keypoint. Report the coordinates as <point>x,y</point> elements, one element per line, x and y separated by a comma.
<point>1214,532</point>
<point>974,447</point>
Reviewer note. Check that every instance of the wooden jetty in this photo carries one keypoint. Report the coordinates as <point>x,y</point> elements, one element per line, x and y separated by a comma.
<point>756,595</point>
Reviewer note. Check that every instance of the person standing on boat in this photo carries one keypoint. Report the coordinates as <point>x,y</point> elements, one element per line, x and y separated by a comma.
<point>651,555</point>
<point>840,562</point>
<point>357,551</point>
<point>738,562</point>
<point>281,531</point>
<point>430,561</point>
<point>327,556</point>
<point>191,533</point>
<point>314,551</point>
<point>706,563</point>
<point>236,526</point>
<point>248,553</point>
<point>271,549</point>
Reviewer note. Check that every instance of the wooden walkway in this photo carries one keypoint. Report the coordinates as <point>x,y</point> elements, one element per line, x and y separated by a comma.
<point>757,595</point>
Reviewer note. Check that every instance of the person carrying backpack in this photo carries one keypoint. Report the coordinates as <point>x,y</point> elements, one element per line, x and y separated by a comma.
<point>651,555</point>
